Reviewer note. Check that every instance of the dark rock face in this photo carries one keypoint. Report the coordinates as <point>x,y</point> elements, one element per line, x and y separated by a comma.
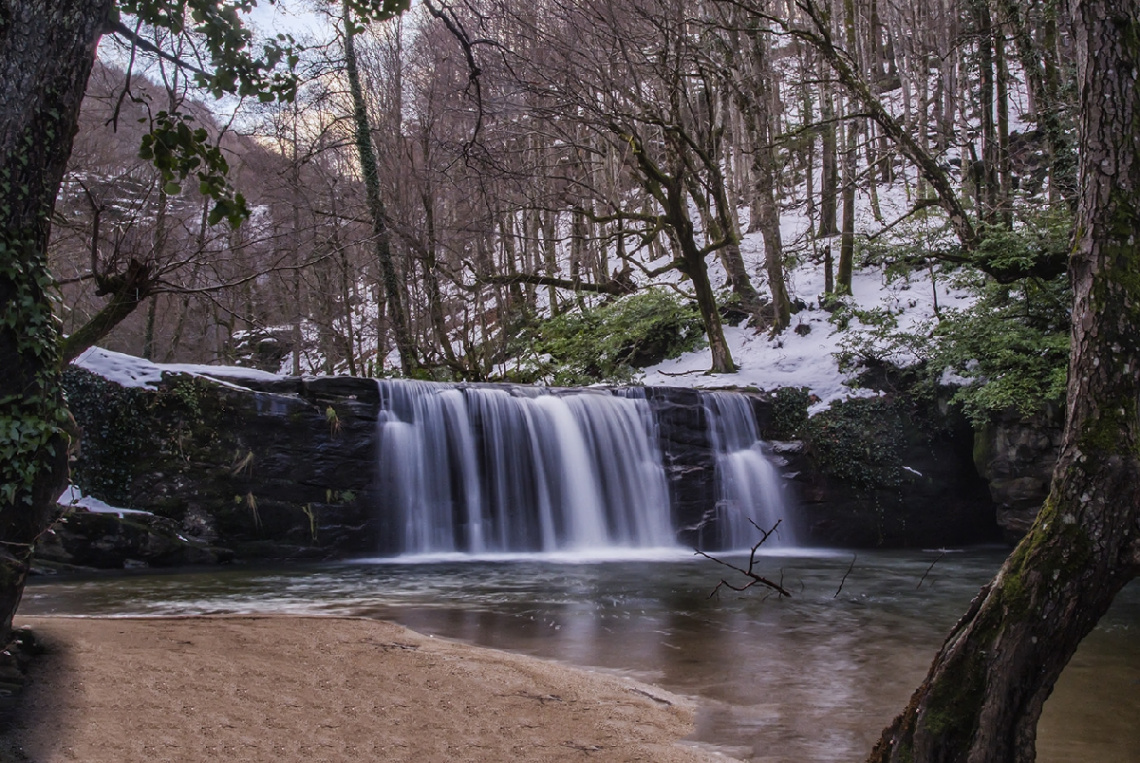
<point>286,468</point>
<point>109,541</point>
<point>690,464</point>
<point>280,469</point>
<point>880,473</point>
<point>1016,456</point>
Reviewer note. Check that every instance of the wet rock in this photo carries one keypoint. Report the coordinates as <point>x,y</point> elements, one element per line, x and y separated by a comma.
<point>230,463</point>
<point>1016,456</point>
<point>110,541</point>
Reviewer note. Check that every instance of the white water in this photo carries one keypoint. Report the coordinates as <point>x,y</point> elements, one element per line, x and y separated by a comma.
<point>750,494</point>
<point>485,470</point>
<point>489,470</point>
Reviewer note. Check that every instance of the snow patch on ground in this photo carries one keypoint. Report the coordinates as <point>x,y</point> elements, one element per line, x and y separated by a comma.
<point>805,354</point>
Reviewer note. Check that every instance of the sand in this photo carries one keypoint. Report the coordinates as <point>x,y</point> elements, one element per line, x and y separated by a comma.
<point>323,689</point>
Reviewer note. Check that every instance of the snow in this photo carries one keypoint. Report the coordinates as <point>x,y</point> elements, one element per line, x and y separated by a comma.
<point>808,359</point>
<point>73,497</point>
<point>129,371</point>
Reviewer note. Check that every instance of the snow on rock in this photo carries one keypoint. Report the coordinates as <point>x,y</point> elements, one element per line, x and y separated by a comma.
<point>73,497</point>
<point>129,371</point>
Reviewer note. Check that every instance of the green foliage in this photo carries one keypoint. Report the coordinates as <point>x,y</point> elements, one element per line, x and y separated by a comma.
<point>176,151</point>
<point>112,420</point>
<point>1012,347</point>
<point>33,422</point>
<point>122,429</point>
<point>607,343</point>
<point>235,68</point>
<point>1009,350</point>
<point>1039,248</point>
<point>861,441</point>
<point>789,413</point>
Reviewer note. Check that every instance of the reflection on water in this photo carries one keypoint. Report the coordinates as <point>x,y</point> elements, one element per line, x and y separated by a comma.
<point>812,678</point>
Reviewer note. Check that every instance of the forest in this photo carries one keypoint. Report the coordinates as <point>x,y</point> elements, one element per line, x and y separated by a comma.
<point>566,192</point>
<point>485,190</point>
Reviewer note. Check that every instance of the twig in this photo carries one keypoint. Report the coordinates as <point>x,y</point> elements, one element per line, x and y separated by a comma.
<point>928,569</point>
<point>845,574</point>
<point>749,573</point>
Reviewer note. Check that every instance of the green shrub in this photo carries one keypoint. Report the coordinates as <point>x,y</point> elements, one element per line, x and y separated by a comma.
<point>1011,348</point>
<point>607,343</point>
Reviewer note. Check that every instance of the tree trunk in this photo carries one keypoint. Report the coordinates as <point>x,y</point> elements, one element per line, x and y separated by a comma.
<point>49,48</point>
<point>758,118</point>
<point>846,268</point>
<point>829,167</point>
<point>695,268</point>
<point>985,691</point>
<point>397,318</point>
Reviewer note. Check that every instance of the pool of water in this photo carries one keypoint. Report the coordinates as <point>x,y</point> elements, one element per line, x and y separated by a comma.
<point>813,677</point>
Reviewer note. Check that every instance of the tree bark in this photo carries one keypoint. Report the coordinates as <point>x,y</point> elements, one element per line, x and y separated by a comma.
<point>766,211</point>
<point>371,172</point>
<point>48,51</point>
<point>984,693</point>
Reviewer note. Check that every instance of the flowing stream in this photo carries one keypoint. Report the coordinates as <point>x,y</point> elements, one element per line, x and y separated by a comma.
<point>811,678</point>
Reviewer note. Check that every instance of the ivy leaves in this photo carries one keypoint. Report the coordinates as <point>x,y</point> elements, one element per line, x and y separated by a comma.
<point>177,150</point>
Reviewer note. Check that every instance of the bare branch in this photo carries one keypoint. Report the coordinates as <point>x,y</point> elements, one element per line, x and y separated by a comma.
<point>754,577</point>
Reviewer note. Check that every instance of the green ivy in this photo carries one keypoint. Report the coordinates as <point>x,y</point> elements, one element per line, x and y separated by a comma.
<point>1011,347</point>
<point>860,442</point>
<point>121,429</point>
<point>33,422</point>
<point>789,413</point>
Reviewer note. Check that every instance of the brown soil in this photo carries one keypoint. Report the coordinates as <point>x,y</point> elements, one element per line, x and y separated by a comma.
<point>322,689</point>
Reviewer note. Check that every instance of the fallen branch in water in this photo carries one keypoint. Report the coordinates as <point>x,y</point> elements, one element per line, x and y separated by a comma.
<point>748,573</point>
<point>845,574</point>
<point>928,569</point>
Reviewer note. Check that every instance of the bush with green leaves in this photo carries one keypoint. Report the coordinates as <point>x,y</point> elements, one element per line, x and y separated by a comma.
<point>1008,351</point>
<point>1011,349</point>
<point>607,343</point>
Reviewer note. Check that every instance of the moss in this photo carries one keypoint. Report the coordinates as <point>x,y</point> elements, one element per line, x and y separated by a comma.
<point>608,342</point>
<point>129,432</point>
<point>951,711</point>
<point>1105,432</point>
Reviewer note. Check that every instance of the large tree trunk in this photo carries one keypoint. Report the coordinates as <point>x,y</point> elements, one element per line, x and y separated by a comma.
<point>48,50</point>
<point>984,693</point>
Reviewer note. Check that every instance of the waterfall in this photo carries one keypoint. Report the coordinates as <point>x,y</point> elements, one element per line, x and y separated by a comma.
<point>492,469</point>
<point>748,486</point>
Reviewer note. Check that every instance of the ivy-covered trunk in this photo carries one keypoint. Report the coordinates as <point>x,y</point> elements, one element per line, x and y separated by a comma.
<point>985,691</point>
<point>405,344</point>
<point>48,50</point>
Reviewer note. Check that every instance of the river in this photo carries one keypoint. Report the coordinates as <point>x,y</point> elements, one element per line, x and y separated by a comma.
<point>813,677</point>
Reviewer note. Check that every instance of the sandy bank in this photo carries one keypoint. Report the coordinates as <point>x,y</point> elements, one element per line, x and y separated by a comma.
<point>323,689</point>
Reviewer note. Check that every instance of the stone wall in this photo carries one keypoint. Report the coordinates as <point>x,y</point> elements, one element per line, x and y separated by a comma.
<point>1016,455</point>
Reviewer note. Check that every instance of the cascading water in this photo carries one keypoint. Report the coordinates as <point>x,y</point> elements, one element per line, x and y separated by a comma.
<point>748,484</point>
<point>480,470</point>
